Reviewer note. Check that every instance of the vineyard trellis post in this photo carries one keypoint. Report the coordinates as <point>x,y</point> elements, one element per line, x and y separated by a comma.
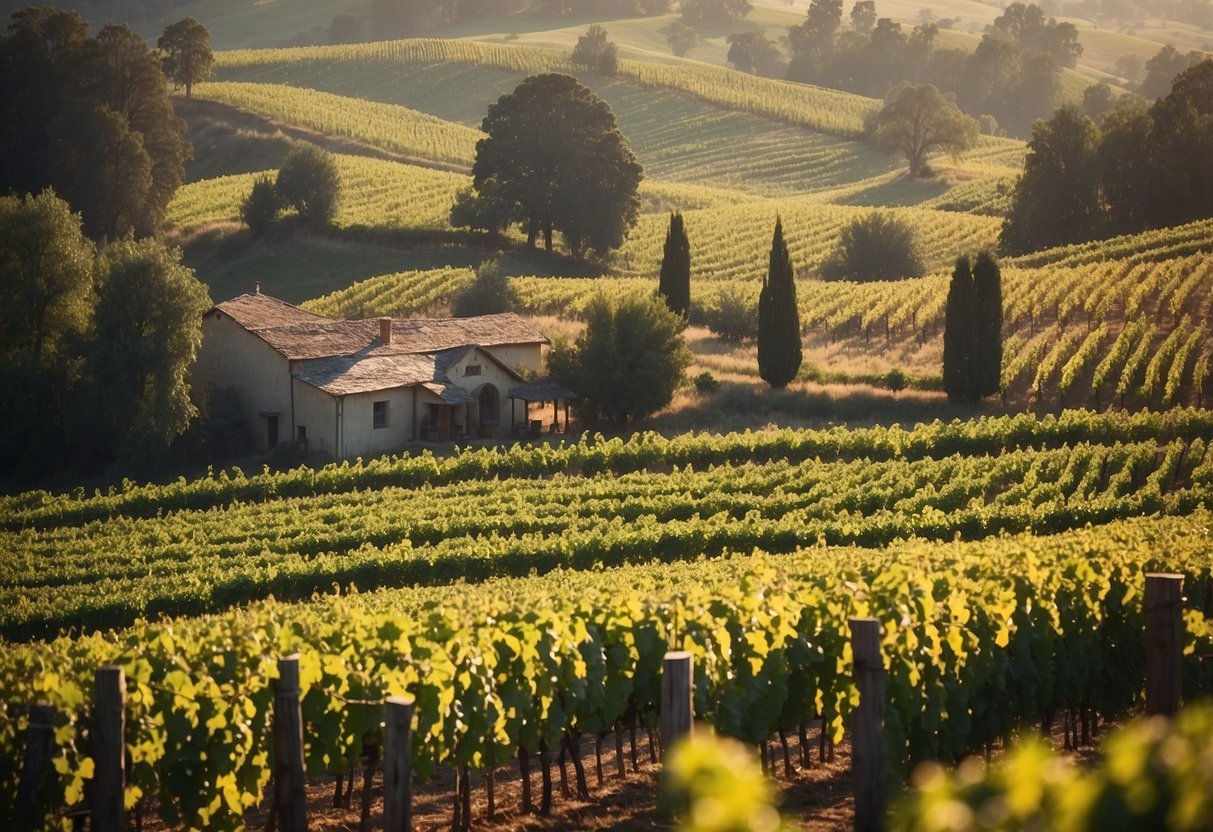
<point>869,756</point>
<point>1163,606</point>
<point>677,708</point>
<point>290,797</point>
<point>109,750</point>
<point>397,763</point>
<point>39,747</point>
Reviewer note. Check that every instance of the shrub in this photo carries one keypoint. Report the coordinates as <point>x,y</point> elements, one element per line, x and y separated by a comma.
<point>879,246</point>
<point>628,360</point>
<point>706,383</point>
<point>733,317</point>
<point>489,294</point>
<point>260,208</point>
<point>308,181</point>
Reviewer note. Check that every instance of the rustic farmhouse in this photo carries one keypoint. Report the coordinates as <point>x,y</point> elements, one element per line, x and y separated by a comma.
<point>358,388</point>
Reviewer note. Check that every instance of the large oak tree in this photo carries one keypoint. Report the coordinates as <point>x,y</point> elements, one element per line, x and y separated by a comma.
<point>554,160</point>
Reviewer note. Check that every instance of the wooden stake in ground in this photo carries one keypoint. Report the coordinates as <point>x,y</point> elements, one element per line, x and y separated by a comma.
<point>1164,642</point>
<point>677,707</point>
<point>397,764</point>
<point>39,748</point>
<point>109,750</point>
<point>290,795</point>
<point>869,763</point>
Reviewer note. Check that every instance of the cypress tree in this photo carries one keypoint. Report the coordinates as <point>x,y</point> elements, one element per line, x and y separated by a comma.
<point>958,328</point>
<point>675,285</point>
<point>779,352</point>
<point>987,285</point>
<point>972,337</point>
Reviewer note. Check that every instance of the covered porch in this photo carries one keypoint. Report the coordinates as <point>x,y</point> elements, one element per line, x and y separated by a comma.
<point>539,391</point>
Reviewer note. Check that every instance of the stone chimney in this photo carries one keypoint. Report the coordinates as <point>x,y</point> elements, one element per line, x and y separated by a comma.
<point>257,288</point>
<point>385,331</point>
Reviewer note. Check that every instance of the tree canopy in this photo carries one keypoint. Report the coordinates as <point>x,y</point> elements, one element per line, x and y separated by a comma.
<point>146,333</point>
<point>94,346</point>
<point>627,362</point>
<point>918,120</point>
<point>594,51</point>
<point>779,347</point>
<point>877,246</point>
<point>91,118</point>
<point>1141,167</point>
<point>554,160</point>
<point>186,45</point>
<point>309,182</point>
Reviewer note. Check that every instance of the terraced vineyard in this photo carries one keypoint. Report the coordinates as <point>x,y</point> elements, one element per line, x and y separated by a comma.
<point>371,533</point>
<point>718,135</point>
<point>376,195</point>
<point>1128,331</point>
<point>536,663</point>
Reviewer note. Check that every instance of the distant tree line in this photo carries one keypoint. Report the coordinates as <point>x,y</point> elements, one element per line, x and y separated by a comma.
<point>1011,78</point>
<point>98,327</point>
<point>1141,167</point>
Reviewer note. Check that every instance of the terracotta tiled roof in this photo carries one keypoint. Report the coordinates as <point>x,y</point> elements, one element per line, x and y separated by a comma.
<point>258,311</point>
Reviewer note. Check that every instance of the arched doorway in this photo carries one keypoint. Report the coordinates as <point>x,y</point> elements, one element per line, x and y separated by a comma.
<point>489,405</point>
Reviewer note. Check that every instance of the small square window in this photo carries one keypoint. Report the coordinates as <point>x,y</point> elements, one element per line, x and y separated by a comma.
<point>379,410</point>
<point>471,370</point>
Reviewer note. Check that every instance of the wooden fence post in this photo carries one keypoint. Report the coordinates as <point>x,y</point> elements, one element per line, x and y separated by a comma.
<point>39,747</point>
<point>109,750</point>
<point>869,756</point>
<point>290,796</point>
<point>397,764</point>
<point>1164,642</point>
<point>677,707</point>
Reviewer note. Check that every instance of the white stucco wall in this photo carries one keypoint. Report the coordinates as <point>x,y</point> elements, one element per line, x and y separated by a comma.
<point>316,411</point>
<point>362,438</point>
<point>520,356</point>
<point>231,356</point>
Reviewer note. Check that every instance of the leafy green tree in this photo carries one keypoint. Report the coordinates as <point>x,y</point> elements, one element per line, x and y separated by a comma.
<point>147,330</point>
<point>1127,171</point>
<point>188,60</point>
<point>1057,199</point>
<point>1163,68</point>
<point>260,208</point>
<point>91,118</point>
<point>675,282</point>
<point>863,16</point>
<point>877,246</point>
<point>594,51</point>
<point>714,11</point>
<point>309,182</point>
<point>1098,100</point>
<point>972,338</point>
<point>779,347</point>
<point>754,52</point>
<point>488,294</point>
<point>918,120</point>
<point>554,159</point>
<point>46,293</point>
<point>682,38</point>
<point>627,362</point>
